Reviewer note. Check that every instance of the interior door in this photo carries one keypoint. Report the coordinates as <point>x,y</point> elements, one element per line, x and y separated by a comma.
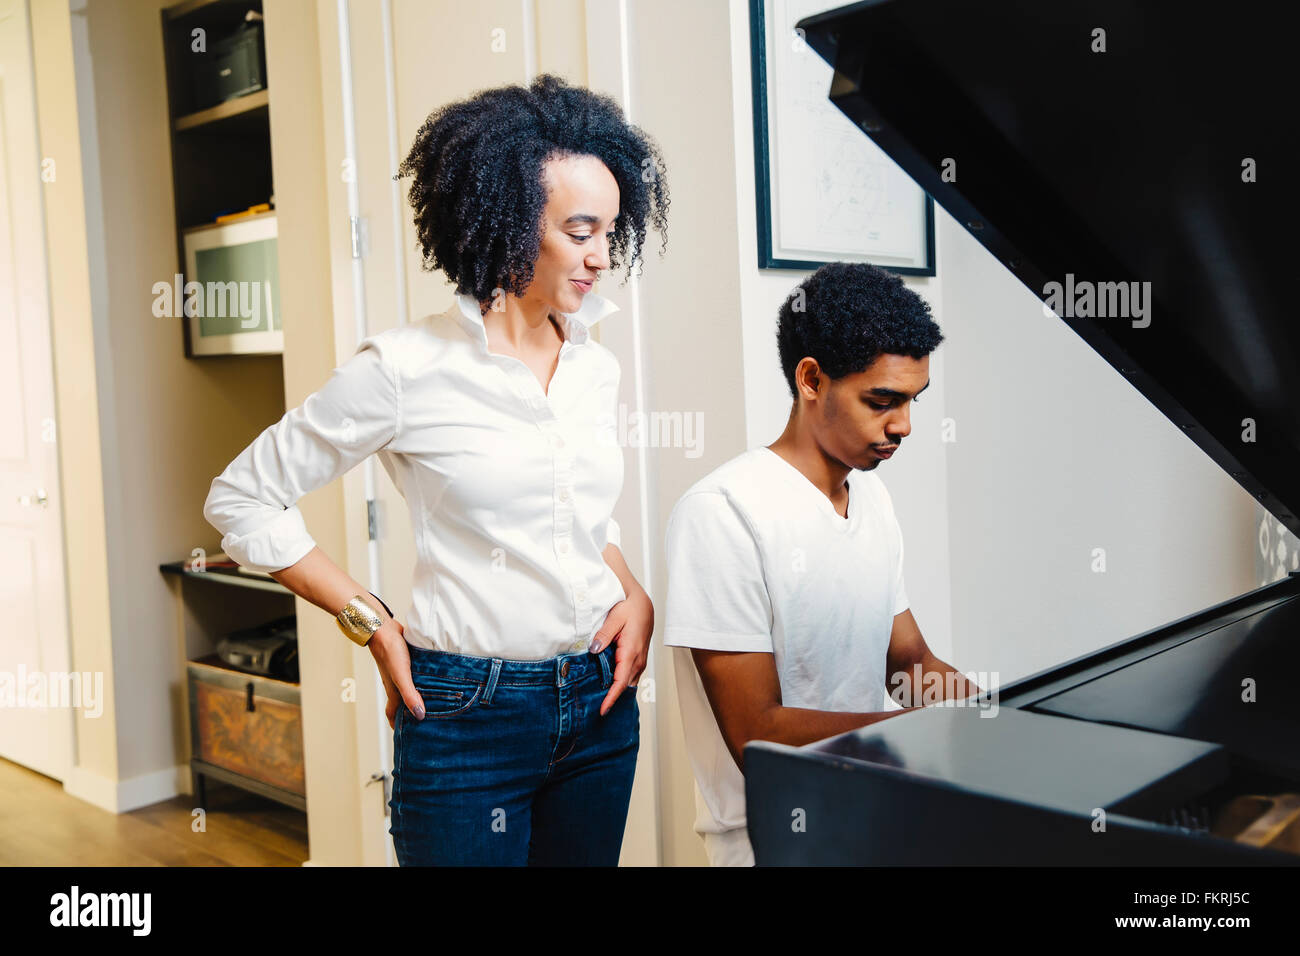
<point>37,693</point>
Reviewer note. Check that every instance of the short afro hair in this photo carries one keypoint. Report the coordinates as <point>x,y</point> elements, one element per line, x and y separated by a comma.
<point>846,314</point>
<point>478,192</point>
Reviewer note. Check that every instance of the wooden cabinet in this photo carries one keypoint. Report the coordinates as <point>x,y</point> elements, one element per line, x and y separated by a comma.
<point>246,730</point>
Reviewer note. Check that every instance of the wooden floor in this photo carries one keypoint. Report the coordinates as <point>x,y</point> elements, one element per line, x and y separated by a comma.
<point>41,825</point>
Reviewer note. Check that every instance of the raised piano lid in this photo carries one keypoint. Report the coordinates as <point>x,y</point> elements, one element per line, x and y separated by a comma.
<point>1122,166</point>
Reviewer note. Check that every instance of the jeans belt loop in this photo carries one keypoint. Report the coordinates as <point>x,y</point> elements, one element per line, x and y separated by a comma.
<point>492,680</point>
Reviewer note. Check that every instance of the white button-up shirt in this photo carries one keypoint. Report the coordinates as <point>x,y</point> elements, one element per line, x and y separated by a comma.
<point>510,488</point>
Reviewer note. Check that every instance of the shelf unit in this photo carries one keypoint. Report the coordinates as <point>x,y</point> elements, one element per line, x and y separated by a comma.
<point>221,153</point>
<point>245,729</point>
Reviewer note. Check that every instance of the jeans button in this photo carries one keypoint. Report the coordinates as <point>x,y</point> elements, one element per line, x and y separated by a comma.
<point>564,669</point>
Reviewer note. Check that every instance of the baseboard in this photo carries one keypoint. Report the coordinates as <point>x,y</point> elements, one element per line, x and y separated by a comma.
<point>122,796</point>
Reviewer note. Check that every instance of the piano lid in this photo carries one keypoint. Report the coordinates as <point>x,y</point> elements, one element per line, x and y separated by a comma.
<point>1089,169</point>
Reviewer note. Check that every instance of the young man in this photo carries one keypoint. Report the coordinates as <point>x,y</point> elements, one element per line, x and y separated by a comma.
<point>785,565</point>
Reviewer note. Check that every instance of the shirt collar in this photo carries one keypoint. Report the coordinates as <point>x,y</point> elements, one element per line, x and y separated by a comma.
<point>576,325</point>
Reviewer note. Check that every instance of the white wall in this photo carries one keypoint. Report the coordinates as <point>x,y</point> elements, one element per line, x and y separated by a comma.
<point>682,94</point>
<point>1059,455</point>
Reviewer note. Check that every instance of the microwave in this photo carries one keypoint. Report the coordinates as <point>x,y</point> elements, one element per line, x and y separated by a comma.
<point>231,291</point>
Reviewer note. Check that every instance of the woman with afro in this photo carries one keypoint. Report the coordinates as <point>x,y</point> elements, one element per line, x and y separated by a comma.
<point>523,197</point>
<point>512,686</point>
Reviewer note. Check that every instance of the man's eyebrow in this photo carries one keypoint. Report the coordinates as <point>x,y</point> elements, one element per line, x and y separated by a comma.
<point>894,393</point>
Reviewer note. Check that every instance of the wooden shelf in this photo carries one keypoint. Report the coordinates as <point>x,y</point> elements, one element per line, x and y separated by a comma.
<point>226,576</point>
<point>185,9</point>
<point>216,225</point>
<point>214,114</point>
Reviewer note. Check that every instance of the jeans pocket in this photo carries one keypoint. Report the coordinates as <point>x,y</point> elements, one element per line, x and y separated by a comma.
<point>447,696</point>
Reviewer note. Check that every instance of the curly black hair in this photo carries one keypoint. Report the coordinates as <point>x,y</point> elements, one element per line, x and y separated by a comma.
<point>846,314</point>
<point>478,193</point>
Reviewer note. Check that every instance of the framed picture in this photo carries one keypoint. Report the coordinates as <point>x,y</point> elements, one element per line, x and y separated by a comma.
<point>825,191</point>
<point>235,307</point>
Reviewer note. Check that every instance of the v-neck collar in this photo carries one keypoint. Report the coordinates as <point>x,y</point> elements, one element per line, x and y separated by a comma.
<point>852,512</point>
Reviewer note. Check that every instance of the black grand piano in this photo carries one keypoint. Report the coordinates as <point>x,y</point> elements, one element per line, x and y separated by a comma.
<point>1165,159</point>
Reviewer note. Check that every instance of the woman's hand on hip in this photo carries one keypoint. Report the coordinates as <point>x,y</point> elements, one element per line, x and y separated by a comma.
<point>388,647</point>
<point>629,625</point>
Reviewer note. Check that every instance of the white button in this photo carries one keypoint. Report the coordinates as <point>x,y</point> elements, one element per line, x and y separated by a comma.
<point>559,442</point>
<point>564,494</point>
<point>564,547</point>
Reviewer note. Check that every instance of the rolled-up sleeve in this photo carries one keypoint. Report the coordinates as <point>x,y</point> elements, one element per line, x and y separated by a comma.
<point>253,503</point>
<point>613,534</point>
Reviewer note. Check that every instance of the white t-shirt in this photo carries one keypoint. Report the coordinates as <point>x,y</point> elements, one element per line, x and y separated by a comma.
<point>759,560</point>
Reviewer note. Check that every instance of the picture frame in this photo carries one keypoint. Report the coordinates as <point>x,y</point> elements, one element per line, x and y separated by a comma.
<point>235,265</point>
<point>825,192</point>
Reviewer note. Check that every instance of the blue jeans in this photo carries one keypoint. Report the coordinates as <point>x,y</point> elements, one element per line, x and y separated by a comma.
<point>513,763</point>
